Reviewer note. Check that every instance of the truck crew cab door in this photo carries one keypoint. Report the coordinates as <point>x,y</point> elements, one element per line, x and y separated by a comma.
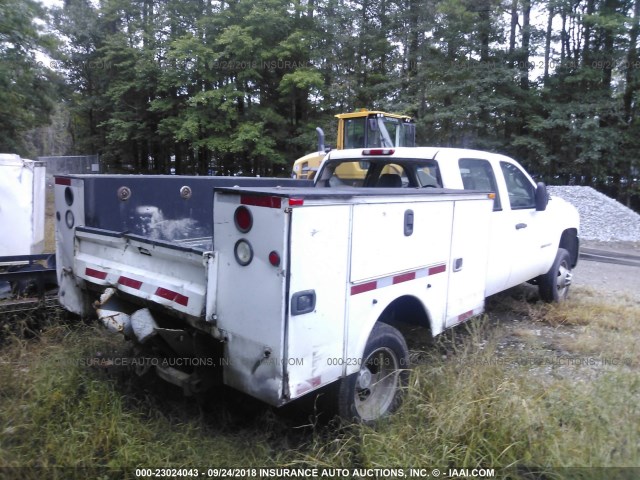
<point>518,233</point>
<point>529,238</point>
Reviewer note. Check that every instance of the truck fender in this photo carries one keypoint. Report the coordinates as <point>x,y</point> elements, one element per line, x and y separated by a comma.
<point>571,243</point>
<point>405,310</point>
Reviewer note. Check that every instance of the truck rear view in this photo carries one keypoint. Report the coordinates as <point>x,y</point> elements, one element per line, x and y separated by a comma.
<point>294,290</point>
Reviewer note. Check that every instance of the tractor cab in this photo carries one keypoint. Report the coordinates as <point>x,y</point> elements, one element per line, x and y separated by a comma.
<point>367,129</point>
<point>361,129</point>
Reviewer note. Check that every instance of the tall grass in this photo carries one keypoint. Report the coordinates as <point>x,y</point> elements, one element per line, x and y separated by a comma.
<point>468,405</point>
<point>57,411</point>
<point>471,410</point>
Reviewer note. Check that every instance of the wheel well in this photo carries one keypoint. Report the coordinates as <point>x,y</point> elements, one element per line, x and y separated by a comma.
<point>406,310</point>
<point>569,241</point>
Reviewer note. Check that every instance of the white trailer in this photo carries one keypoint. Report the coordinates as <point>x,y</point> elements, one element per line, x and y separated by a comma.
<point>22,199</point>
<point>22,212</point>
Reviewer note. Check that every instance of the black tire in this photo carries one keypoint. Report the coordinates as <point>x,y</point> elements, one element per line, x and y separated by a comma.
<point>554,285</point>
<point>376,390</point>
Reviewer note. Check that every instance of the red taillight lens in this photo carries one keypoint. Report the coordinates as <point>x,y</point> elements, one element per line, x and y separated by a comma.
<point>274,258</point>
<point>243,219</point>
<point>378,151</point>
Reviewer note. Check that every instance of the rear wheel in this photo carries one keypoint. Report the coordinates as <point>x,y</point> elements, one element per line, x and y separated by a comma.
<point>554,285</point>
<point>376,390</point>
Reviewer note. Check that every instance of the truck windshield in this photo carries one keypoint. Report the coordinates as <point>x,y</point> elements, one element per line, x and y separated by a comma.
<point>389,173</point>
<point>398,133</point>
<point>375,132</point>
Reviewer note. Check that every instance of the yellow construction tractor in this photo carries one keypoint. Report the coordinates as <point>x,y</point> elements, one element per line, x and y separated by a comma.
<point>361,129</point>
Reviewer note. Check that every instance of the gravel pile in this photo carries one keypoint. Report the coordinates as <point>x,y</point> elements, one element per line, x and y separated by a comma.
<point>601,218</point>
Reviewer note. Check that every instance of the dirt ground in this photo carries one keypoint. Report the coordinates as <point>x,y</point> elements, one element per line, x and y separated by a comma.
<point>608,278</point>
<point>520,335</point>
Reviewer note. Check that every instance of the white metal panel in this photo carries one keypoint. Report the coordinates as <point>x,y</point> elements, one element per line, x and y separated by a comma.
<point>387,265</point>
<point>22,194</point>
<point>320,239</point>
<point>170,277</point>
<point>70,294</point>
<point>39,206</point>
<point>469,255</point>
<point>250,305</point>
<point>365,308</point>
<point>380,246</point>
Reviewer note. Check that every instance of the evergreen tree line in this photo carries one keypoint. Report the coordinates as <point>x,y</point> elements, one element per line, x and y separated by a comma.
<point>238,87</point>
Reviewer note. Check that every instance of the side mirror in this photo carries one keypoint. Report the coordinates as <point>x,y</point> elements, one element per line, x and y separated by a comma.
<point>542,197</point>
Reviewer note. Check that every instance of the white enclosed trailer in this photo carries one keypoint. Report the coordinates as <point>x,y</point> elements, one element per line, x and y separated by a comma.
<point>22,203</point>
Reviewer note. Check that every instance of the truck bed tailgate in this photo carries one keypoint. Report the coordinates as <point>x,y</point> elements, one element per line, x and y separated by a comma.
<point>167,274</point>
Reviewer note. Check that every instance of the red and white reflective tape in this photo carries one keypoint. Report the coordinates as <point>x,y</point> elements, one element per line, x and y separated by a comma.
<point>172,296</point>
<point>130,282</point>
<point>463,317</point>
<point>91,272</point>
<point>161,292</point>
<point>395,279</point>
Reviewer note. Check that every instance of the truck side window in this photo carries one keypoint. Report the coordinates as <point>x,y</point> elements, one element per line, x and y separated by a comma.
<point>429,176</point>
<point>477,174</point>
<point>522,193</point>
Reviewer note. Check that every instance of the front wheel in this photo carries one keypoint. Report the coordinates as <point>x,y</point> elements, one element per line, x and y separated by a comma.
<point>554,285</point>
<point>376,390</point>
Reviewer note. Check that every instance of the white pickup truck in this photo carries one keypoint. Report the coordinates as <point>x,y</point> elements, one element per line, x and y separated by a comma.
<point>280,287</point>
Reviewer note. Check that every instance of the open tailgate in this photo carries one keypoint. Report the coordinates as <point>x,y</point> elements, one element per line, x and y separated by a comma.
<point>167,274</point>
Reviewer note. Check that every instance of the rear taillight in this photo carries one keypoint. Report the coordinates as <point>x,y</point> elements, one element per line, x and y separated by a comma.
<point>243,252</point>
<point>261,201</point>
<point>274,258</point>
<point>243,219</point>
<point>378,151</point>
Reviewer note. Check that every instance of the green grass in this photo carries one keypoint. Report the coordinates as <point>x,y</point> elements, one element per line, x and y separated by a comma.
<point>463,408</point>
<point>57,411</point>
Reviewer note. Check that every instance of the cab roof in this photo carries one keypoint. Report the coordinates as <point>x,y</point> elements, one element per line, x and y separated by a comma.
<point>416,153</point>
<point>365,113</point>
